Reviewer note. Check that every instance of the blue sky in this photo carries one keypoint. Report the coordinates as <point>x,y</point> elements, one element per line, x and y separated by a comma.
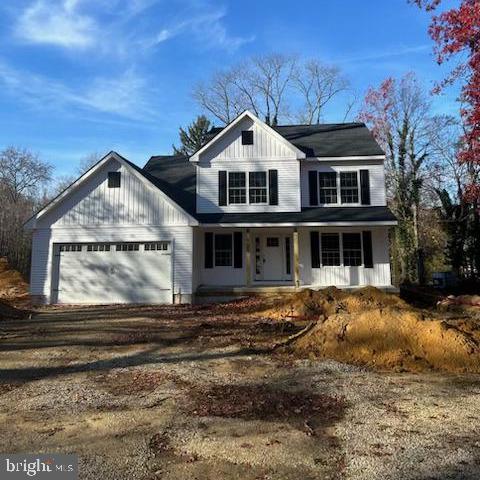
<point>83,76</point>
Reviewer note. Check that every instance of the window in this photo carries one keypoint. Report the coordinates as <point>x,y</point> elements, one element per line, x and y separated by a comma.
<point>71,247</point>
<point>156,246</point>
<point>349,187</point>
<point>113,179</point>
<point>257,187</point>
<point>237,191</point>
<point>98,247</point>
<point>127,247</point>
<point>247,137</point>
<point>223,250</point>
<point>330,249</point>
<point>273,242</point>
<point>328,187</point>
<point>352,249</point>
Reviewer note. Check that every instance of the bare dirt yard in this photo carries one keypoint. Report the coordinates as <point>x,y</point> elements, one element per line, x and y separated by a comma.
<point>196,392</point>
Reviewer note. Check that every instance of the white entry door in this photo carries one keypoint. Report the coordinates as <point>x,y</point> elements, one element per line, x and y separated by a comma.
<point>273,257</point>
<point>102,273</point>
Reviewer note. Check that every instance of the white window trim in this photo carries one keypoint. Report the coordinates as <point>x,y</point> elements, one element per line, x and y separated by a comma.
<point>340,244</point>
<point>247,187</point>
<point>339,189</point>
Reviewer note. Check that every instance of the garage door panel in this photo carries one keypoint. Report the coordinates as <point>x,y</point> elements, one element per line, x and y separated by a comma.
<point>115,276</point>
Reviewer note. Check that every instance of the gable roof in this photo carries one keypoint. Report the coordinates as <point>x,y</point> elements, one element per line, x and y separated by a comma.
<point>246,114</point>
<point>149,180</point>
<point>327,140</point>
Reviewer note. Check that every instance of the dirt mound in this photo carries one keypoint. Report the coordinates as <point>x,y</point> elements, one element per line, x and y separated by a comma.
<point>12,285</point>
<point>373,328</point>
<point>312,303</point>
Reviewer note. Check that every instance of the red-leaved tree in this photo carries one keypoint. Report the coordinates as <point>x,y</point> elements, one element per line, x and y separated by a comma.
<point>456,33</point>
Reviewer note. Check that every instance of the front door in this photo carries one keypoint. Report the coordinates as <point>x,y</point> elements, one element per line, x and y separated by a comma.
<point>273,257</point>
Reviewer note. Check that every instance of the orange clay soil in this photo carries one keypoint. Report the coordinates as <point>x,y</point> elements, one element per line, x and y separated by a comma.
<point>13,292</point>
<point>376,329</point>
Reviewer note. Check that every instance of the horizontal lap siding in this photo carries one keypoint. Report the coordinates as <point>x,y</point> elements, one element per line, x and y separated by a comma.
<point>288,186</point>
<point>376,177</point>
<point>379,275</point>
<point>43,240</point>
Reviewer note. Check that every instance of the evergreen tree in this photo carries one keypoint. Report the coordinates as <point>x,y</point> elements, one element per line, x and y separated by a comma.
<point>194,137</point>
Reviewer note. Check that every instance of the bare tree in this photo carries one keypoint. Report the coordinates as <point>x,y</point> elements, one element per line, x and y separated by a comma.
<point>220,97</point>
<point>23,182</point>
<point>270,86</point>
<point>318,85</point>
<point>271,76</point>
<point>22,173</point>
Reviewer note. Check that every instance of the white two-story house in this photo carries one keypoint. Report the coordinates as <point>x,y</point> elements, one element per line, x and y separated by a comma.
<point>287,206</point>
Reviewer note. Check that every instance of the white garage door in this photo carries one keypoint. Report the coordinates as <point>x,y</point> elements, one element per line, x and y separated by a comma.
<point>113,273</point>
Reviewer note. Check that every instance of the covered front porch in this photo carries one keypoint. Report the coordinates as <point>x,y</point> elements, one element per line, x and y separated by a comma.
<point>261,259</point>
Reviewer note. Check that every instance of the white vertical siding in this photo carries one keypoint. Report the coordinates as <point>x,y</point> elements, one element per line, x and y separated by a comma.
<point>93,203</point>
<point>43,240</point>
<point>218,276</point>
<point>266,145</point>
<point>342,276</point>
<point>376,176</point>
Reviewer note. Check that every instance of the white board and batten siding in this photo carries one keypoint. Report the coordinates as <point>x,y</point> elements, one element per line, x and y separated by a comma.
<point>376,177</point>
<point>267,153</point>
<point>342,276</point>
<point>94,213</point>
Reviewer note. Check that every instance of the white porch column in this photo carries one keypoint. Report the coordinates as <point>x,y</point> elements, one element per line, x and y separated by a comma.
<point>248,259</point>
<point>296,266</point>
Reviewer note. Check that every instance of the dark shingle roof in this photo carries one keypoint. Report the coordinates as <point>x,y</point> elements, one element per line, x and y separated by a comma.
<point>314,215</point>
<point>327,140</point>
<point>175,176</point>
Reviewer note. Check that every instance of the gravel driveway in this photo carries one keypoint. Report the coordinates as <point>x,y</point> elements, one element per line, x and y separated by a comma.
<point>195,392</point>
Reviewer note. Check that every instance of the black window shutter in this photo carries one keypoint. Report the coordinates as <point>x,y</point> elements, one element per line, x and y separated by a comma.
<point>237,250</point>
<point>365,187</point>
<point>222,187</point>
<point>315,249</point>
<point>208,250</point>
<point>273,187</point>
<point>367,249</point>
<point>313,187</point>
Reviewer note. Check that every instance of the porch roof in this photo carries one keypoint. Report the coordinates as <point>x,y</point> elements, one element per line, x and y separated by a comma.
<point>325,216</point>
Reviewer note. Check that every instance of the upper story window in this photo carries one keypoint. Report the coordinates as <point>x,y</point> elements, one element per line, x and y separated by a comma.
<point>257,187</point>
<point>237,187</point>
<point>247,137</point>
<point>349,187</point>
<point>114,179</point>
<point>328,187</point>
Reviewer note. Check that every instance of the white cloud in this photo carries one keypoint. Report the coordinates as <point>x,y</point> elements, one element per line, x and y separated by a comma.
<point>56,23</point>
<point>124,95</point>
<point>208,30</point>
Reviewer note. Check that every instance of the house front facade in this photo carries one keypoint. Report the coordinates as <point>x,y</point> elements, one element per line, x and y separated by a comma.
<point>256,206</point>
